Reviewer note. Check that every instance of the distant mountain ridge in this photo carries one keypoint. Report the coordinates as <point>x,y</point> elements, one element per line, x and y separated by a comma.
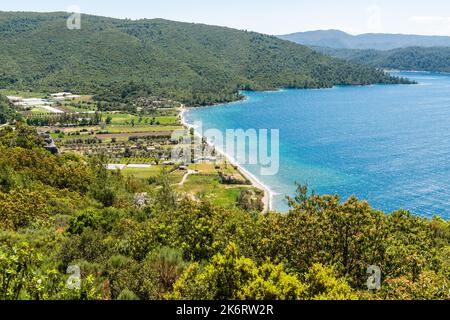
<point>340,40</point>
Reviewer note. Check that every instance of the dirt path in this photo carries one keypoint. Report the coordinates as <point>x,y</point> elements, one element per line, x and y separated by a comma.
<point>188,173</point>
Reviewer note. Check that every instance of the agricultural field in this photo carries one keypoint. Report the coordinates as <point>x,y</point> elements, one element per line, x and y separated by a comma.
<point>78,109</point>
<point>209,187</point>
<point>144,173</point>
<point>127,119</point>
<point>154,172</point>
<point>114,128</point>
<point>24,94</point>
<point>208,184</point>
<point>199,181</point>
<point>83,129</point>
<point>38,110</point>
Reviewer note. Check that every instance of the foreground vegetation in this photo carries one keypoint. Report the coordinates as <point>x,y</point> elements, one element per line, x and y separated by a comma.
<point>67,210</point>
<point>122,60</point>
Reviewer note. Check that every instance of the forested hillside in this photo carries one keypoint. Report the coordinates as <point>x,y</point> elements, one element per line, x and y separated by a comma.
<point>61,211</point>
<point>191,63</point>
<point>435,59</point>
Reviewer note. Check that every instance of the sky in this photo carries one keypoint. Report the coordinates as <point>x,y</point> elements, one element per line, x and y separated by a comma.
<point>431,17</point>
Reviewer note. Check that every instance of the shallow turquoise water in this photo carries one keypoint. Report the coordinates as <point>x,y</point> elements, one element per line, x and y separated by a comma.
<point>387,144</point>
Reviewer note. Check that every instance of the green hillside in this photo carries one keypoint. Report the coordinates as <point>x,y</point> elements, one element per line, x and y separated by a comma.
<point>436,59</point>
<point>192,63</point>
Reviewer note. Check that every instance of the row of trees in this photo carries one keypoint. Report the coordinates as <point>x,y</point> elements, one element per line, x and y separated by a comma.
<point>66,119</point>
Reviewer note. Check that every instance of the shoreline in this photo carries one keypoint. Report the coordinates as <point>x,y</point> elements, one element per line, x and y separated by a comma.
<point>268,194</point>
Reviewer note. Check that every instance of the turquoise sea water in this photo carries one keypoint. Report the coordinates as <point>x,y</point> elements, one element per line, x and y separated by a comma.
<point>389,144</point>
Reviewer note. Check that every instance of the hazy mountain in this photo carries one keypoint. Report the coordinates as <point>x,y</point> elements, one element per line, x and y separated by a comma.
<point>193,63</point>
<point>341,40</point>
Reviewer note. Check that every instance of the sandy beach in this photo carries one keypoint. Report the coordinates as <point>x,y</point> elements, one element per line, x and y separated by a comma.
<point>267,199</point>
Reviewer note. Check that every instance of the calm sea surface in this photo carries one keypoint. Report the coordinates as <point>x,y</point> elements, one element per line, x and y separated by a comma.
<point>389,144</point>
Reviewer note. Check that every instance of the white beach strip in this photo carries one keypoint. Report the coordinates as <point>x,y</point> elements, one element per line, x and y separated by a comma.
<point>268,194</point>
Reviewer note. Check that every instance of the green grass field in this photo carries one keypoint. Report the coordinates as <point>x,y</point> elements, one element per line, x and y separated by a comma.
<point>71,138</point>
<point>143,173</point>
<point>153,172</point>
<point>205,168</point>
<point>38,110</point>
<point>79,110</point>
<point>113,128</point>
<point>126,119</point>
<point>206,185</point>
<point>210,188</point>
<point>199,186</point>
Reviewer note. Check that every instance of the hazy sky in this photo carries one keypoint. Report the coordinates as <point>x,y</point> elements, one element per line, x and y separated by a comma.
<point>271,16</point>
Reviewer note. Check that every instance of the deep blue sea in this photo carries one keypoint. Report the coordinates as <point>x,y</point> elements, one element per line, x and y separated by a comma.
<point>388,144</point>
